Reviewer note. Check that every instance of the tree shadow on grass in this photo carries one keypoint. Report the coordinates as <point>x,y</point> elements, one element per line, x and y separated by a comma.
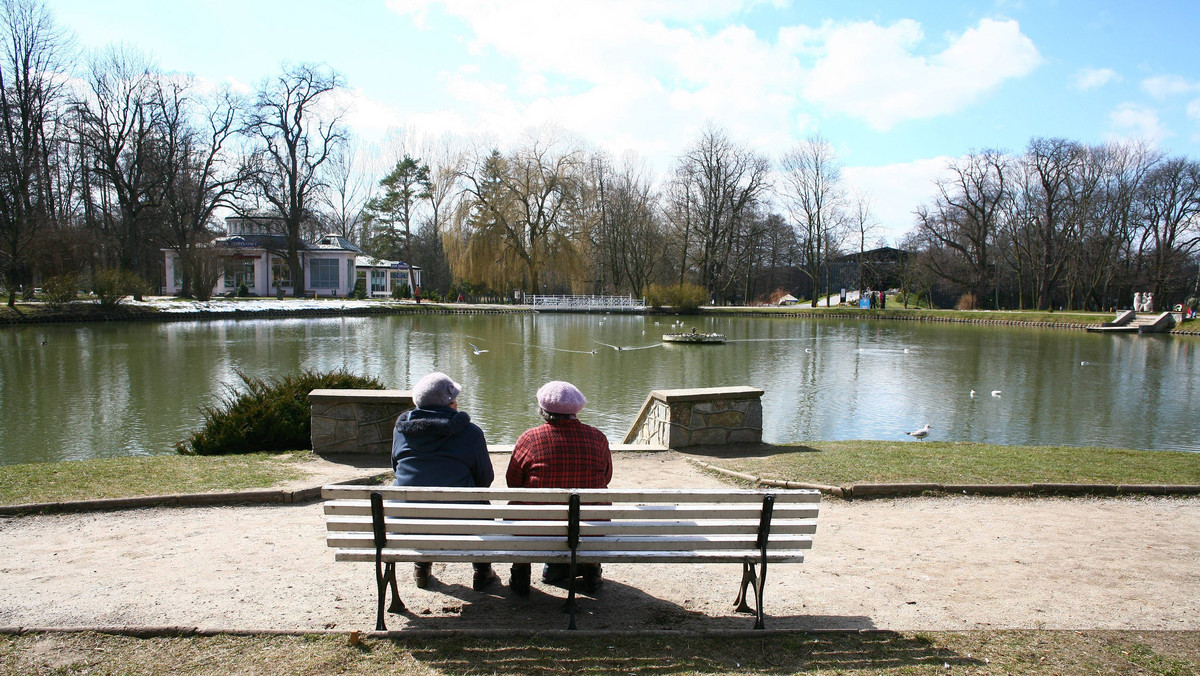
<point>773,653</point>
<point>726,451</point>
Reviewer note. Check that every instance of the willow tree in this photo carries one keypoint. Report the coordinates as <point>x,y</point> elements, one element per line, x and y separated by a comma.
<point>518,217</point>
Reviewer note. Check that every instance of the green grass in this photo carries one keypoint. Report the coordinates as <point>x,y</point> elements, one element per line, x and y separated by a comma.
<point>867,654</point>
<point>848,462</point>
<point>157,475</point>
<point>898,312</point>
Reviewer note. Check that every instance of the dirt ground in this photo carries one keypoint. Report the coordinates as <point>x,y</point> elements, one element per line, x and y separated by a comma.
<point>910,564</point>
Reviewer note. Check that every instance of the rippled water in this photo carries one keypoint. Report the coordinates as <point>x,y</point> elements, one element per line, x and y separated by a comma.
<point>97,390</point>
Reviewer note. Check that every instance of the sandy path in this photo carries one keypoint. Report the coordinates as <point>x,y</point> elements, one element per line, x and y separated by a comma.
<point>950,563</point>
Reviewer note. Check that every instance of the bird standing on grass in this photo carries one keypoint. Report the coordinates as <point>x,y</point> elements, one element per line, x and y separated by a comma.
<point>921,433</point>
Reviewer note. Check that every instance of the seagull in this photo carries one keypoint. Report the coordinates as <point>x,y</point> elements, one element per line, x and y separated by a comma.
<point>972,394</point>
<point>476,349</point>
<point>615,347</point>
<point>995,393</point>
<point>906,350</point>
<point>808,349</point>
<point>1084,363</point>
<point>921,433</point>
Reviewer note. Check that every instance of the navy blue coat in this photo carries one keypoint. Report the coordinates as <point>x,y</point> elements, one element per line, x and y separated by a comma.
<point>440,446</point>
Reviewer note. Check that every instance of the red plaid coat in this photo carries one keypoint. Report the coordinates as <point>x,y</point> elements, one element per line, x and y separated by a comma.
<point>561,454</point>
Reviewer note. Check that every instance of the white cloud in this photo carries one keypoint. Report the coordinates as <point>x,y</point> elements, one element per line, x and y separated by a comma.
<point>1133,121</point>
<point>874,73</point>
<point>896,190</point>
<point>1165,86</point>
<point>1091,78</point>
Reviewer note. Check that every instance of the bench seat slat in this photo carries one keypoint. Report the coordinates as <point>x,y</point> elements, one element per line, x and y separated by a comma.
<point>398,555</point>
<point>560,495</point>
<point>559,528</point>
<point>525,543</point>
<point>588,512</point>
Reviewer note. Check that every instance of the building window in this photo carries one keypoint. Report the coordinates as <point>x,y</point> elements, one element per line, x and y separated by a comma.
<point>323,273</point>
<point>280,274</point>
<point>239,271</point>
<point>177,272</point>
<point>379,281</point>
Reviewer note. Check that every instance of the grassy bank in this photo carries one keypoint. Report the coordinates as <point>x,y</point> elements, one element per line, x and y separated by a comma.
<point>1023,316</point>
<point>870,654</point>
<point>158,475</point>
<point>840,463</point>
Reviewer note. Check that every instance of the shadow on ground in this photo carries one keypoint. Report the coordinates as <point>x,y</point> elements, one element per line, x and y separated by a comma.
<point>744,451</point>
<point>690,653</point>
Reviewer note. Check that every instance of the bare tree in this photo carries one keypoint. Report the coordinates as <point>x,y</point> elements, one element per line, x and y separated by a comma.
<point>815,198</point>
<point>120,130</point>
<point>202,172</point>
<point>516,214</point>
<point>348,189</point>
<point>965,217</point>
<point>30,99</point>
<point>628,236</point>
<point>296,133</point>
<point>718,186</point>
<point>1170,202</point>
<point>864,225</point>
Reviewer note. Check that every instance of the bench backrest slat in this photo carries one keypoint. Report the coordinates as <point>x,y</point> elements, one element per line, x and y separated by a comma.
<point>560,495</point>
<point>448,510</point>
<point>559,528</point>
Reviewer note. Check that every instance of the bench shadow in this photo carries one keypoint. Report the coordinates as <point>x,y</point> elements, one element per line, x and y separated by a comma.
<point>798,652</point>
<point>615,606</point>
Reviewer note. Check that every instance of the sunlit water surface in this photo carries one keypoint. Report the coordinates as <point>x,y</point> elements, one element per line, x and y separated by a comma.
<point>96,390</point>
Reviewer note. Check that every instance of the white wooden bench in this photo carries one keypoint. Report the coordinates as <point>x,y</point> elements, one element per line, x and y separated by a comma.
<point>390,524</point>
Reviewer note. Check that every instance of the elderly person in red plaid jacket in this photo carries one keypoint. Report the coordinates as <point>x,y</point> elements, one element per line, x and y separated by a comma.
<point>563,453</point>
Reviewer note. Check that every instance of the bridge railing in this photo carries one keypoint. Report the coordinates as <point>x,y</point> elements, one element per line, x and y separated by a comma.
<point>587,302</point>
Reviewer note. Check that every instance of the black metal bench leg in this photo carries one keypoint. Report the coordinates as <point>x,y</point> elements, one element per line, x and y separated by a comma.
<point>758,595</point>
<point>748,578</point>
<point>381,593</point>
<point>397,606</point>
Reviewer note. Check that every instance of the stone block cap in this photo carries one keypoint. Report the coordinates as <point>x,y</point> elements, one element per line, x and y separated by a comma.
<point>708,393</point>
<point>363,396</point>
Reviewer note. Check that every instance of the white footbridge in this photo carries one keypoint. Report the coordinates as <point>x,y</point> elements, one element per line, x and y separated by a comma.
<point>586,303</point>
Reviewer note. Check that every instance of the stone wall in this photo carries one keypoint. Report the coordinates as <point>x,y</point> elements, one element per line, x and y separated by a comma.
<point>356,421</point>
<point>699,417</point>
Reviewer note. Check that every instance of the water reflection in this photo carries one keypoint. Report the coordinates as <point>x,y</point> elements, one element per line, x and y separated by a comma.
<point>129,389</point>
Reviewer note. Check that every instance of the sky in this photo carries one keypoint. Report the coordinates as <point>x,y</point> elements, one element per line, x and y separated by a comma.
<point>898,88</point>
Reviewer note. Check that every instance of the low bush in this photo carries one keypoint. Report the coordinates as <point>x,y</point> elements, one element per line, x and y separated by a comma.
<point>680,297</point>
<point>401,292</point>
<point>967,302</point>
<point>113,286</point>
<point>270,415</point>
<point>60,290</point>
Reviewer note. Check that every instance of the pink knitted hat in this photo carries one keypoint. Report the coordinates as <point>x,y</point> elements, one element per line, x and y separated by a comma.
<point>558,396</point>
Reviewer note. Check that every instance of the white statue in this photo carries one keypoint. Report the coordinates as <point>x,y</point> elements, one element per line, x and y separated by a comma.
<point>1137,301</point>
<point>1147,302</point>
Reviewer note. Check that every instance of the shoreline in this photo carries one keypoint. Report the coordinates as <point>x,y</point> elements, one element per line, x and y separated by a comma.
<point>172,310</point>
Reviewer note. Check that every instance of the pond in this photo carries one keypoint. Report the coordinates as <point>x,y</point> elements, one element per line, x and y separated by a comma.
<point>115,389</point>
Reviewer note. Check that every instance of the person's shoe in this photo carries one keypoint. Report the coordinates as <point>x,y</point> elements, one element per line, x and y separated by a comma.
<point>592,578</point>
<point>484,576</point>
<point>555,573</point>
<point>518,579</point>
<point>421,574</point>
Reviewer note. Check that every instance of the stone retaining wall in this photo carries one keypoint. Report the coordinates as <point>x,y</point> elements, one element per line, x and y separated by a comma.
<point>356,421</point>
<point>699,417</point>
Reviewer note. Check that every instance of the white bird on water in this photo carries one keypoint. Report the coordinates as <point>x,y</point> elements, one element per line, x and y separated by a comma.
<point>995,393</point>
<point>921,433</point>
<point>476,349</point>
<point>972,394</point>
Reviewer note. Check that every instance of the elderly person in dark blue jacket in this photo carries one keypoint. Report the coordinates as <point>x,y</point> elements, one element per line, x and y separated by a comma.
<point>435,444</point>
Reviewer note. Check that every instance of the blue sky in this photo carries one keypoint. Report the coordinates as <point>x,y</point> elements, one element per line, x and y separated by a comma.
<point>899,88</point>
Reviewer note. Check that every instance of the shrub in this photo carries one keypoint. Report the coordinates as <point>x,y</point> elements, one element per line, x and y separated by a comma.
<point>60,290</point>
<point>242,290</point>
<point>401,292</point>
<point>680,297</point>
<point>271,415</point>
<point>360,290</point>
<point>113,286</point>
<point>966,302</point>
